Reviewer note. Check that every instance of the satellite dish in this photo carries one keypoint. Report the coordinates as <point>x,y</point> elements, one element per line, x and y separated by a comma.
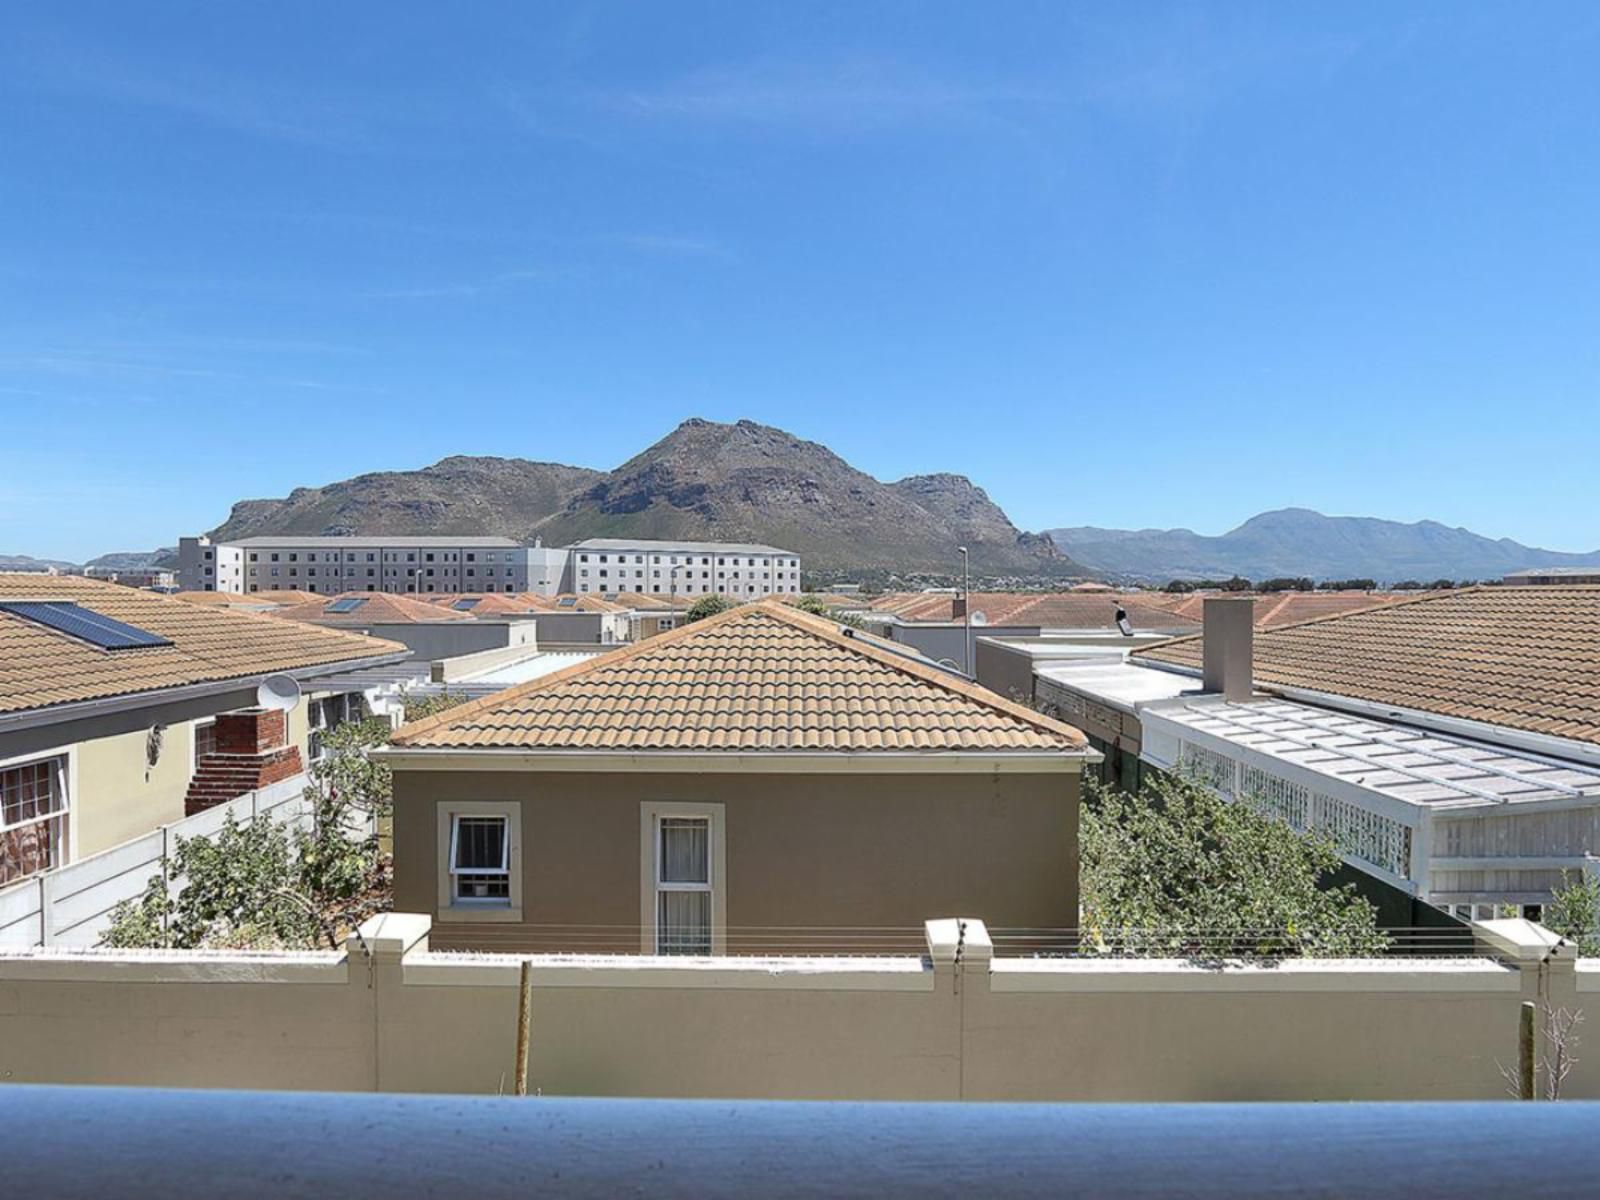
<point>980,618</point>
<point>279,692</point>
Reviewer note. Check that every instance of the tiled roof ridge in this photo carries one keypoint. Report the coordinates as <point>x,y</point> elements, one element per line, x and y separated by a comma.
<point>776,610</point>
<point>1359,612</point>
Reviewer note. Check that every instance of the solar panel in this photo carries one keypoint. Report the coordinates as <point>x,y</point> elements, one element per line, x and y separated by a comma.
<point>347,604</point>
<point>463,605</point>
<point>84,623</point>
<point>567,602</point>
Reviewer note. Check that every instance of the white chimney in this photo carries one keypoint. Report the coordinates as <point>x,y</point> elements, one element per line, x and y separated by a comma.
<point>1228,637</point>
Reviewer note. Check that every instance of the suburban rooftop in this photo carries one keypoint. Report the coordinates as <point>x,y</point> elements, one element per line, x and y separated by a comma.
<point>760,678</point>
<point>186,644</point>
<point>368,608</point>
<point>1522,658</point>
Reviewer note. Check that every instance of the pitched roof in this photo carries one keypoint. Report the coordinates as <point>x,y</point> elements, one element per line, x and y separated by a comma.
<point>638,600</point>
<point>1524,658</point>
<point>760,678</point>
<point>486,604</point>
<point>1044,610</point>
<point>40,666</point>
<point>368,608</point>
<point>1273,609</point>
<point>568,602</point>
<point>235,599</point>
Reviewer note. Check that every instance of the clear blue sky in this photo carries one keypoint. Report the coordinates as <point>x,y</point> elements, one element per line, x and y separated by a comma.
<point>1129,264</point>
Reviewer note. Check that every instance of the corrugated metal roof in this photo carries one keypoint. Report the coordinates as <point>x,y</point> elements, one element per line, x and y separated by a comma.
<point>1407,764</point>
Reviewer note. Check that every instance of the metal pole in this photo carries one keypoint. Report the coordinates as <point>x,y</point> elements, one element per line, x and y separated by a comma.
<point>524,1021</point>
<point>966,605</point>
<point>1525,1050</point>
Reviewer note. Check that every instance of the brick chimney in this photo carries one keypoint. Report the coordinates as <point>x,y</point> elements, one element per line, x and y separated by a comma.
<point>958,608</point>
<point>1228,646</point>
<point>250,752</point>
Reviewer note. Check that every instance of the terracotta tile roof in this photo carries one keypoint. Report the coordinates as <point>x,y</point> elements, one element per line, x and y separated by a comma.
<point>375,608</point>
<point>831,599</point>
<point>638,600</point>
<point>40,667</point>
<point>760,677</point>
<point>1273,609</point>
<point>235,599</point>
<point>487,604</point>
<point>1045,610</point>
<point>577,603</point>
<point>1525,658</point>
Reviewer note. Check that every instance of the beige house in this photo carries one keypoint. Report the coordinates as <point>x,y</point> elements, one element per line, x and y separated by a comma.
<point>109,698</point>
<point>759,781</point>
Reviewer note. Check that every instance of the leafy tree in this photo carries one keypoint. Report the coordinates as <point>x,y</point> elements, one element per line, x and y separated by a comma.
<point>1178,586</point>
<point>1177,870</point>
<point>1407,585</point>
<point>1348,585</point>
<point>1237,584</point>
<point>708,606</point>
<point>819,608</point>
<point>415,707</point>
<point>264,885</point>
<point>1575,912</point>
<point>1442,585</point>
<point>1286,584</point>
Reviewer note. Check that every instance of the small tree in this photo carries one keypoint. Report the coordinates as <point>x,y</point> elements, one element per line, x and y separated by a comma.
<point>708,606</point>
<point>264,885</point>
<point>1177,870</point>
<point>1574,912</point>
<point>415,708</point>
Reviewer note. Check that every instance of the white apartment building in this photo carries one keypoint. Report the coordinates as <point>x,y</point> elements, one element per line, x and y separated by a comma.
<point>745,571</point>
<point>328,565</point>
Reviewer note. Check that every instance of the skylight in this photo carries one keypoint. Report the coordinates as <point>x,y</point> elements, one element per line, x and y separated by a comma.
<point>84,623</point>
<point>464,605</point>
<point>347,604</point>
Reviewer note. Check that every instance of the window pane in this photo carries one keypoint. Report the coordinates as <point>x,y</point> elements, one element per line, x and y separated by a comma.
<point>685,850</point>
<point>683,923</point>
<point>480,843</point>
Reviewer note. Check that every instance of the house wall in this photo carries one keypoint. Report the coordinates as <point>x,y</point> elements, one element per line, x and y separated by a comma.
<point>1005,670</point>
<point>581,628</point>
<point>391,1015</point>
<point>448,639</point>
<point>846,850</point>
<point>116,794</point>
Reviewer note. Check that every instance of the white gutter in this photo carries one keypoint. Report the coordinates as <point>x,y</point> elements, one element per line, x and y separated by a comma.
<point>55,714</point>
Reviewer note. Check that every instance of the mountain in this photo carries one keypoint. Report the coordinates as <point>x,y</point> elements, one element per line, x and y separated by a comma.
<point>137,560</point>
<point>1297,541</point>
<point>704,481</point>
<point>26,562</point>
<point>492,497</point>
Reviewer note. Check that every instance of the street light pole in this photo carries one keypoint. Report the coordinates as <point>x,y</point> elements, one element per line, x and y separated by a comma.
<point>966,604</point>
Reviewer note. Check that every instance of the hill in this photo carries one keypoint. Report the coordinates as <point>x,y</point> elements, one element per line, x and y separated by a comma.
<point>1298,541</point>
<point>703,481</point>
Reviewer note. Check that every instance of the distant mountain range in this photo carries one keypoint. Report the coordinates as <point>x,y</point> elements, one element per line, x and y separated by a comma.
<point>703,481</point>
<point>1297,541</point>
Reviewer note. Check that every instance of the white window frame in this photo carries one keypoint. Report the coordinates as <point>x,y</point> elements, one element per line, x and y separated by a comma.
<point>449,907</point>
<point>650,814</point>
<point>66,774</point>
<point>194,741</point>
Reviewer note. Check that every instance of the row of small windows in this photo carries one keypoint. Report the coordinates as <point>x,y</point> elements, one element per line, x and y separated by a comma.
<point>688,560</point>
<point>332,556</point>
<point>372,587</point>
<point>391,572</point>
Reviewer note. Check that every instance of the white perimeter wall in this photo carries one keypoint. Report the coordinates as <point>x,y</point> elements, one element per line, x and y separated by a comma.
<point>389,1015</point>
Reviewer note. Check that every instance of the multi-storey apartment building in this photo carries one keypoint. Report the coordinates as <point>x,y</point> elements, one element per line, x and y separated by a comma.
<point>353,564</point>
<point>742,570</point>
<point>328,565</point>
